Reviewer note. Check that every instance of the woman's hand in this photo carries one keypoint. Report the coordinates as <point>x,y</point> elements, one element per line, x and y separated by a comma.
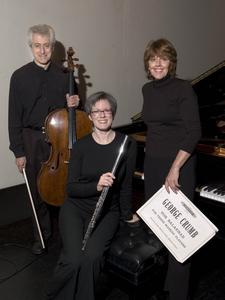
<point>134,219</point>
<point>72,101</point>
<point>105,180</point>
<point>172,180</point>
<point>174,173</point>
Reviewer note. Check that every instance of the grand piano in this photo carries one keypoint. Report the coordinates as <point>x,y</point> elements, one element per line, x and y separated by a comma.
<point>210,190</point>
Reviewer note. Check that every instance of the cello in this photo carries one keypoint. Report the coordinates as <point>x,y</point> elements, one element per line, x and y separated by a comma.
<point>62,127</point>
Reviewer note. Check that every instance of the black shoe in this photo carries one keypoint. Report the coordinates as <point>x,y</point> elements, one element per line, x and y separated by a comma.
<point>37,248</point>
<point>160,296</point>
<point>48,297</point>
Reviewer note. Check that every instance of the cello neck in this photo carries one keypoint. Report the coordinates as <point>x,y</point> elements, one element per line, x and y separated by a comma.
<point>71,83</point>
<point>72,112</point>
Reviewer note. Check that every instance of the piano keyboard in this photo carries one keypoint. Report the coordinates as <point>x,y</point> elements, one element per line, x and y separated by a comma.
<point>214,192</point>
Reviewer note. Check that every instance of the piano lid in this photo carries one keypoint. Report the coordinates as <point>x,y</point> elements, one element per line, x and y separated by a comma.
<point>210,89</point>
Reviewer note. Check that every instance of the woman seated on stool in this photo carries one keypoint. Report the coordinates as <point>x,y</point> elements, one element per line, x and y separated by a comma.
<point>91,162</point>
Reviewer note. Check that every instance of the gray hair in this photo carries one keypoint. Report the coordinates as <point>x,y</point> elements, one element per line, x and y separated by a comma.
<point>92,99</point>
<point>41,29</point>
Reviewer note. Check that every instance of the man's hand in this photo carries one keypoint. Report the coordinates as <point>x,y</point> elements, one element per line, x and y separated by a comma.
<point>72,101</point>
<point>21,163</point>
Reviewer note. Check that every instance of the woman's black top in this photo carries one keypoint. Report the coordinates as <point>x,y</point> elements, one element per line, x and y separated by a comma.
<point>170,112</point>
<point>89,160</point>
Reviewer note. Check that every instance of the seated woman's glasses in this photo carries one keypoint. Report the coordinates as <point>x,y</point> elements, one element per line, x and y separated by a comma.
<point>97,113</point>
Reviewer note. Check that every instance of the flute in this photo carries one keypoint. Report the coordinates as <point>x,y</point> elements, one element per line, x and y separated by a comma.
<point>102,197</point>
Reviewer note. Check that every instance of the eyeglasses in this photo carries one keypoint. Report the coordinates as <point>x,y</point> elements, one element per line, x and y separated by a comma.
<point>97,113</point>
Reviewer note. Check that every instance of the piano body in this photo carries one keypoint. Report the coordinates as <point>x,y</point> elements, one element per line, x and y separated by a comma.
<point>210,191</point>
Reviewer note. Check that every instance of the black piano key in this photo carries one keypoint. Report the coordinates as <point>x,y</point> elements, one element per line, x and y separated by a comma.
<point>221,187</point>
<point>210,187</point>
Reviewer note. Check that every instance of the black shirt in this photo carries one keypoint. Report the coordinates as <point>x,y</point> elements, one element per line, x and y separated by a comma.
<point>34,93</point>
<point>170,112</point>
<point>89,160</point>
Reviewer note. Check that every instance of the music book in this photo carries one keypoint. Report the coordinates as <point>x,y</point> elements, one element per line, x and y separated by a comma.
<point>177,222</point>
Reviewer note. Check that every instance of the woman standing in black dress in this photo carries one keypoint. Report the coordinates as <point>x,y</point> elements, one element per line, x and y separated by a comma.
<point>170,111</point>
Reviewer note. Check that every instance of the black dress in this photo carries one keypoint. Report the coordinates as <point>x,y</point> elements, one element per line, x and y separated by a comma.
<point>77,271</point>
<point>170,111</point>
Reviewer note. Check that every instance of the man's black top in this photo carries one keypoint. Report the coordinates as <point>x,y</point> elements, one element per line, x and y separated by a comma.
<point>34,93</point>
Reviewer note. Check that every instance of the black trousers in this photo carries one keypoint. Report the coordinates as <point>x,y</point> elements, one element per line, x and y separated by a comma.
<point>37,151</point>
<point>77,271</point>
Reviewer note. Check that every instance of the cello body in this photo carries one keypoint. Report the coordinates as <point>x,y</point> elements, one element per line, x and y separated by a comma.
<point>52,177</point>
<point>62,127</point>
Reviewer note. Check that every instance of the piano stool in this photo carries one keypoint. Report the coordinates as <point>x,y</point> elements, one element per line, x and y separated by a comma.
<point>137,261</point>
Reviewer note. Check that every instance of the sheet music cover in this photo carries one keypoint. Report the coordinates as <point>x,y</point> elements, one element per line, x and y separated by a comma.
<point>177,222</point>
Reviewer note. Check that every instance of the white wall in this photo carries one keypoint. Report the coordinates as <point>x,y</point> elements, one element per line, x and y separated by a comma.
<point>109,37</point>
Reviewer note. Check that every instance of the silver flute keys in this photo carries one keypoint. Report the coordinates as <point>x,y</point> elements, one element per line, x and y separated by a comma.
<point>102,197</point>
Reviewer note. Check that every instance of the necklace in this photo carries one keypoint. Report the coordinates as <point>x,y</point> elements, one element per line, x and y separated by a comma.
<point>103,138</point>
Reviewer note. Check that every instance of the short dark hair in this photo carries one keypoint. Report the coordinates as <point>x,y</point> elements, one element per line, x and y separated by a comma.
<point>162,48</point>
<point>92,99</point>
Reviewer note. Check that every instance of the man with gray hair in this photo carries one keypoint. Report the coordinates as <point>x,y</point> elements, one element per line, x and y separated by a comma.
<point>36,89</point>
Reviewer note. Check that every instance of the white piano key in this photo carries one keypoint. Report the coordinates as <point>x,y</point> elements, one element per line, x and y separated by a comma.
<point>211,195</point>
